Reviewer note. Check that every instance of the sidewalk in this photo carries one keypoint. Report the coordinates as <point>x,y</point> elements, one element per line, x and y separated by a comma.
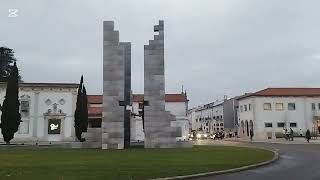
<point>297,140</point>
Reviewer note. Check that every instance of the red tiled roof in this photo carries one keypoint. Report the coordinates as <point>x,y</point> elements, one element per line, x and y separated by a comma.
<point>97,99</point>
<point>137,98</point>
<point>94,111</point>
<point>175,98</point>
<point>285,92</point>
<point>168,98</point>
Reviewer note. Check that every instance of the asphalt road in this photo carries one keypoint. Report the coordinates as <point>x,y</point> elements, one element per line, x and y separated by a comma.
<point>297,162</point>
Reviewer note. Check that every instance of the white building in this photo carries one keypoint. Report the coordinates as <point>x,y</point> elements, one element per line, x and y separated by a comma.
<point>269,111</point>
<point>207,118</point>
<point>47,111</point>
<point>177,104</point>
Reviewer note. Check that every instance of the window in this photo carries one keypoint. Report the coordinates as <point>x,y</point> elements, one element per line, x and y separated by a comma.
<point>268,125</point>
<point>267,106</point>
<point>280,124</point>
<point>24,127</point>
<point>279,106</point>
<point>293,125</point>
<point>25,108</point>
<point>291,106</point>
<point>313,106</point>
<point>95,122</point>
<point>319,106</point>
<point>221,124</point>
<point>217,124</point>
<point>241,108</point>
<point>140,105</point>
<point>245,108</point>
<point>249,107</point>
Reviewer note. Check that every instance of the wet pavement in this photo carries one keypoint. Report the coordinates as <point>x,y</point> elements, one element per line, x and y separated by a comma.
<point>296,162</point>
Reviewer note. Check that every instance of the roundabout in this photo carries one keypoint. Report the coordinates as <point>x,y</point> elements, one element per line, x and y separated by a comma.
<point>135,163</point>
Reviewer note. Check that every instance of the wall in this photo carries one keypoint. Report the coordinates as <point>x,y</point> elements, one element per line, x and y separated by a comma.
<point>230,117</point>
<point>303,115</point>
<point>35,124</point>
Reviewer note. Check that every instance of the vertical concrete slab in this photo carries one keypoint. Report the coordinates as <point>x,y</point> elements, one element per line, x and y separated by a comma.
<point>115,57</point>
<point>158,130</point>
<point>127,92</point>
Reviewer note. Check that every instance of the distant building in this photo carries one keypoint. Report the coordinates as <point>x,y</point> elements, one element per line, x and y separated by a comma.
<point>269,111</point>
<point>219,116</point>
<point>207,118</point>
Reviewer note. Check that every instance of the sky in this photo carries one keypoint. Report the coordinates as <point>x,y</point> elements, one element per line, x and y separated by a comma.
<point>212,47</point>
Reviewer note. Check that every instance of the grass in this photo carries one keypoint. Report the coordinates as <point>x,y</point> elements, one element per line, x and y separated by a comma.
<point>87,164</point>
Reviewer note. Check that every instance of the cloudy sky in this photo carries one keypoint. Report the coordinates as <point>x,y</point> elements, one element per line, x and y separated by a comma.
<point>213,47</point>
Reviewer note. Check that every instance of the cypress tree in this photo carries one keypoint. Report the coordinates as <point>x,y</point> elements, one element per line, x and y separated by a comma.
<point>84,118</point>
<point>77,114</point>
<point>81,112</point>
<point>11,117</point>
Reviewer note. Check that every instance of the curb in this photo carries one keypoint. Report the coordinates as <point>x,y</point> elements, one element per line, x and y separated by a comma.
<point>274,142</point>
<point>275,158</point>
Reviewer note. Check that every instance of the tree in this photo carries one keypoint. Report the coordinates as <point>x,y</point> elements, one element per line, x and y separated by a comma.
<point>11,117</point>
<point>6,59</point>
<point>81,112</point>
<point>85,115</point>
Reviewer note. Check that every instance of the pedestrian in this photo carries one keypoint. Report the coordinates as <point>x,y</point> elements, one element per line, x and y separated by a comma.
<point>251,134</point>
<point>284,131</point>
<point>301,133</point>
<point>291,134</point>
<point>308,135</point>
<point>230,134</point>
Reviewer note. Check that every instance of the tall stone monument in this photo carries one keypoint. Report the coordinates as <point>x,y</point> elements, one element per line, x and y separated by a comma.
<point>115,125</point>
<point>157,121</point>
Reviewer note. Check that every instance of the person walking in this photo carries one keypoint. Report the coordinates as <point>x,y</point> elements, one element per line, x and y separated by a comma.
<point>284,131</point>
<point>308,135</point>
<point>301,133</point>
<point>251,134</point>
<point>291,134</point>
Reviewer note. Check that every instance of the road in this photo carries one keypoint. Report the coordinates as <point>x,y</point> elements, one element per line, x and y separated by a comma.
<point>296,162</point>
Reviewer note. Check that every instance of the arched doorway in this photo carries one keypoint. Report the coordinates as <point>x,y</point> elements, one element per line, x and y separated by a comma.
<point>251,125</point>
<point>247,128</point>
<point>242,127</point>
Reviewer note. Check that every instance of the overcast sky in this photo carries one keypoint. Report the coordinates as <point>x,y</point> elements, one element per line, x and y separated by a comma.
<point>212,47</point>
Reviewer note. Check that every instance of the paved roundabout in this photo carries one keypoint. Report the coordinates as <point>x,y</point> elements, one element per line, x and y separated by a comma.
<point>296,162</point>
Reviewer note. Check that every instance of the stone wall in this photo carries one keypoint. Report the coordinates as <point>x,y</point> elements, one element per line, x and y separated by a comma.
<point>114,61</point>
<point>158,130</point>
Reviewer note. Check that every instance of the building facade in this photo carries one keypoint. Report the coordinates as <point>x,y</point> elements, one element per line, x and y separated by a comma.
<point>47,111</point>
<point>208,118</point>
<point>269,111</point>
<point>176,104</point>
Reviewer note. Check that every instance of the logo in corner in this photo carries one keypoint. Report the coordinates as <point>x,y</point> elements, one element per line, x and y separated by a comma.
<point>13,13</point>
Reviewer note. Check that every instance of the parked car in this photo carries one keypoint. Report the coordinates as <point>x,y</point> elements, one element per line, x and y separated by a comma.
<point>219,135</point>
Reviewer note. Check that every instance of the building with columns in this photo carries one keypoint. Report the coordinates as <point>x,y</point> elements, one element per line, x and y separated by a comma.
<point>47,111</point>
